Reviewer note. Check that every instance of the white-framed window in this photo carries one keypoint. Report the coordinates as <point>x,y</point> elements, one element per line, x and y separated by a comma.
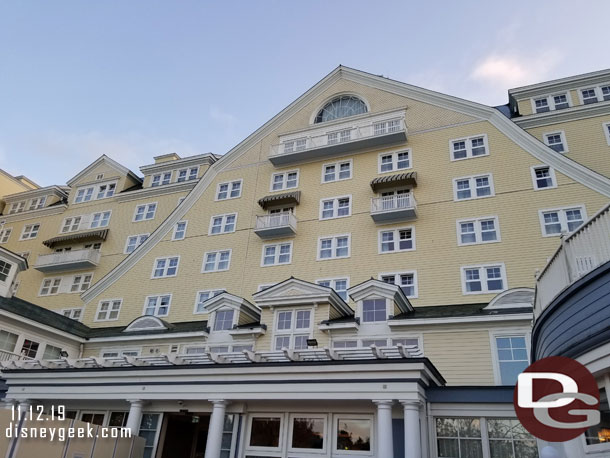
<point>50,286</point>
<point>71,224</point>
<point>292,328</point>
<point>339,284</point>
<point>223,320</point>
<point>203,296</point>
<point>353,435</point>
<point>216,261</point>
<point>116,353</point>
<point>74,313</point>
<point>98,191</point>
<point>473,187</point>
<point>487,278</point>
<point>222,224</point>
<point>307,433</point>
<point>5,234</point>
<point>265,432</point>
<point>106,190</point>
<point>157,305</point>
<point>556,141</point>
<point>337,171</point>
<point>374,310</point>
<point>8,340</point>
<point>145,212</point>
<point>406,280</point>
<point>188,174</point>
<point>293,146</point>
<point>395,240</point>
<point>339,136</point>
<point>469,147</point>
<point>606,127</point>
<point>387,127</point>
<point>80,283</point>
<point>108,310</point>
<point>547,103</point>
<point>605,92</point>
<point>161,179</point>
<point>30,231</point>
<point>17,207</point>
<point>557,220</point>
<point>165,267</point>
<point>93,246</point>
<point>511,355</point>
<point>543,177</point>
<point>589,95</point>
<point>336,207</point>
<point>179,230</point>
<point>229,190</point>
<point>478,230</point>
<point>334,247</point>
<point>595,438</point>
<point>37,203</point>
<point>134,241</point>
<point>276,254</point>
<point>284,180</point>
<point>395,160</point>
<point>5,269</point>
<point>84,194</point>
<point>100,219</point>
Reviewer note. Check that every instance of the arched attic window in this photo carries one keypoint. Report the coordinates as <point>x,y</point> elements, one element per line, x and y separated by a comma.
<point>341,107</point>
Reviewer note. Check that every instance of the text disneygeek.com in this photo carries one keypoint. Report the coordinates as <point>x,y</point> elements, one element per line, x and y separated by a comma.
<point>63,433</point>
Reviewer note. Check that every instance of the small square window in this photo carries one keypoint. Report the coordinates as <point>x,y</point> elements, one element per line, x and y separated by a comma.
<point>543,177</point>
<point>556,141</point>
<point>374,310</point>
<point>223,320</point>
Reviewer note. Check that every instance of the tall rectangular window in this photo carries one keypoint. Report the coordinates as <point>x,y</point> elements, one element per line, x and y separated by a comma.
<point>556,141</point>
<point>293,328</point>
<point>512,356</point>
<point>334,247</point>
<point>223,320</point>
<point>216,261</point>
<point>374,310</point>
<point>5,269</point>
<point>461,438</point>
<point>179,230</point>
<point>8,340</point>
<point>5,234</point>
<point>543,177</point>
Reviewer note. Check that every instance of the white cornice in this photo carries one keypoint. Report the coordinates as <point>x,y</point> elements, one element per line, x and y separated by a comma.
<point>34,214</point>
<point>42,326</point>
<point>207,158</point>
<point>570,82</point>
<point>537,149</point>
<point>156,191</point>
<point>33,193</point>
<point>460,320</point>
<point>559,116</point>
<point>169,335</point>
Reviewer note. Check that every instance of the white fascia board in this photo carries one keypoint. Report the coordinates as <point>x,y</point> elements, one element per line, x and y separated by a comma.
<point>34,214</point>
<point>175,335</point>
<point>461,320</point>
<point>33,193</point>
<point>186,186</point>
<point>574,113</point>
<point>184,162</point>
<point>570,82</point>
<point>103,159</point>
<point>254,331</point>
<point>335,326</point>
<point>43,327</point>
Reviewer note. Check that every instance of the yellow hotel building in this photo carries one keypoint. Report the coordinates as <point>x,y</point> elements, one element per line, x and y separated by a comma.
<point>353,279</point>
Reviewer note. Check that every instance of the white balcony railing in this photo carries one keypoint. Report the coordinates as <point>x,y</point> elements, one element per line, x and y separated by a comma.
<point>392,203</point>
<point>579,253</point>
<point>10,356</point>
<point>337,133</point>
<point>276,220</point>
<point>68,258</point>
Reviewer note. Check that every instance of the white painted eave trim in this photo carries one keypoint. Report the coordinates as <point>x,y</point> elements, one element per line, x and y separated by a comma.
<point>461,320</point>
<point>334,326</point>
<point>190,161</point>
<point>569,82</point>
<point>254,331</point>
<point>103,159</point>
<point>123,338</point>
<point>43,327</point>
<point>33,193</point>
<point>34,214</point>
<point>186,186</point>
<point>574,113</point>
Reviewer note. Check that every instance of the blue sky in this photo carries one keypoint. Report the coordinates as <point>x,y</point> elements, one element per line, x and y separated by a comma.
<point>135,79</point>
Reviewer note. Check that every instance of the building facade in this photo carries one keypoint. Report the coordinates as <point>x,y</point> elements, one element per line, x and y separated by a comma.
<point>355,278</point>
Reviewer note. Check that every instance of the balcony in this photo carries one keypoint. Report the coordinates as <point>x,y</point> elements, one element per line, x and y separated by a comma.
<point>67,260</point>
<point>276,225</point>
<point>338,138</point>
<point>392,209</point>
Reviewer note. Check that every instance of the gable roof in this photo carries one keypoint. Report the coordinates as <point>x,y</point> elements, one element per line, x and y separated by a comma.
<point>536,148</point>
<point>103,159</point>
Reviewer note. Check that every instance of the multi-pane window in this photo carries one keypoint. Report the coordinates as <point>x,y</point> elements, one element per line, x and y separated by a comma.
<point>512,358</point>
<point>145,212</point>
<point>222,224</point>
<point>396,240</point>
<point>51,352</point>
<point>5,269</point>
<point>292,329</point>
<point>166,267</point>
<point>481,230</point>
<point>337,171</point>
<point>8,340</point>
<point>84,194</point>
<point>406,280</point>
<point>607,131</point>
<point>17,207</point>
<point>542,105</point>
<point>161,179</point>
<point>296,145</point>
<point>509,439</point>
<point>276,254</point>
<point>203,296</point>
<point>553,102</point>
<point>589,95</point>
<point>598,434</point>
<point>334,247</point>
<point>106,190</point>
<point>543,177</point>
<point>74,313</point>
<point>71,224</point>
<point>30,231</point>
<point>100,219</point>
<point>50,286</point>
<point>108,310</point>
<point>473,187</point>
<point>134,241</point>
<point>340,286</point>
<point>339,136</point>
<point>284,180</point>
<point>5,234</point>
<point>556,141</point>
<point>387,127</point>
<point>337,207</point>
<point>459,438</point>
<point>605,92</point>
<point>29,348</point>
<point>80,283</point>
<point>554,222</point>
<point>35,204</point>
<point>560,101</point>
<point>157,305</point>
<point>187,174</point>
<point>229,190</point>
<point>469,147</point>
<point>483,279</point>
<point>374,310</point>
<point>216,261</point>
<point>179,230</point>
<point>223,320</point>
<point>397,160</point>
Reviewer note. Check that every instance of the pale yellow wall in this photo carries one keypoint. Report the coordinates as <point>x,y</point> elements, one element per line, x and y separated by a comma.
<point>10,185</point>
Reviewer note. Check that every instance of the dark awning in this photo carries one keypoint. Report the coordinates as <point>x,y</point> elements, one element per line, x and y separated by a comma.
<point>80,236</point>
<point>280,199</point>
<point>391,181</point>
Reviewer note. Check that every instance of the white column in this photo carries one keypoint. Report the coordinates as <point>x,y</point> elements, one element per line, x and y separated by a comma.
<point>217,421</point>
<point>385,441</point>
<point>134,418</point>
<point>412,431</point>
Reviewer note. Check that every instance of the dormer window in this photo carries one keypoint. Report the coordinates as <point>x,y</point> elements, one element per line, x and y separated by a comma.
<point>35,204</point>
<point>374,310</point>
<point>223,320</point>
<point>341,107</point>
